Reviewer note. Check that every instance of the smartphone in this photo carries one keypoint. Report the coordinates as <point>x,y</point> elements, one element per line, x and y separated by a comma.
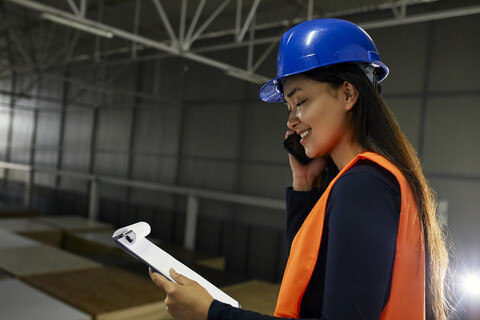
<point>294,147</point>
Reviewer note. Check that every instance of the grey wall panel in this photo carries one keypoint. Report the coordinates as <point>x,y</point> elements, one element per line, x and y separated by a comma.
<point>122,76</point>
<point>160,200</point>
<point>50,92</point>
<point>408,112</point>
<point>452,135</point>
<point>4,125</point>
<point>43,179</point>
<point>455,65</point>
<point>46,157</point>
<point>25,103</point>
<point>21,136</point>
<point>403,49</point>
<point>75,160</point>
<point>110,164</point>
<point>212,131</point>
<point>216,209</point>
<point>274,218</point>
<point>47,146</point>
<point>264,131</point>
<point>205,83</point>
<point>4,98</point>
<point>265,180</point>
<point>163,226</point>
<point>463,215</point>
<point>236,246</point>
<point>113,129</point>
<point>214,175</point>
<point>85,86</point>
<point>153,168</point>
<point>77,128</point>
<point>26,85</point>
<point>82,97</point>
<point>157,130</point>
<point>48,127</point>
<point>117,99</point>
<point>76,185</point>
<point>209,232</point>
<point>166,77</point>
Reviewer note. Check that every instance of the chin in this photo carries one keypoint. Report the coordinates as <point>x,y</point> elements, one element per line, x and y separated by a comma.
<point>310,154</point>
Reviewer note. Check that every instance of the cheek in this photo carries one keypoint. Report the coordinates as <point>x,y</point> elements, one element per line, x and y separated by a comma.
<point>327,130</point>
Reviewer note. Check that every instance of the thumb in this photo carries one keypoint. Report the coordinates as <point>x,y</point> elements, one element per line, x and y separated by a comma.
<point>160,280</point>
<point>180,279</point>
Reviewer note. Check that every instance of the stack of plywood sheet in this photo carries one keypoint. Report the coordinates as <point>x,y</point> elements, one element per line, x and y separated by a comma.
<point>105,293</point>
<point>22,261</point>
<point>91,243</point>
<point>19,301</point>
<point>75,223</point>
<point>32,229</point>
<point>99,246</point>
<point>11,211</point>
<point>11,240</point>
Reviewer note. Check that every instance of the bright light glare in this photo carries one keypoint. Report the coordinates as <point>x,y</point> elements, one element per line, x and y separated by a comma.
<point>471,284</point>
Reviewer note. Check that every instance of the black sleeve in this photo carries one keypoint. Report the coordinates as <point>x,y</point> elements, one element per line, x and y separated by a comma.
<point>362,217</point>
<point>298,204</point>
<point>222,311</point>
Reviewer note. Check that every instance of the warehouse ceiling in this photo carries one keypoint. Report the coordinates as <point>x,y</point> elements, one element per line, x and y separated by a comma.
<point>42,34</point>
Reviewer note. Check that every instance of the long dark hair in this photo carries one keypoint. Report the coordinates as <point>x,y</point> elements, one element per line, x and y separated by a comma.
<point>375,129</point>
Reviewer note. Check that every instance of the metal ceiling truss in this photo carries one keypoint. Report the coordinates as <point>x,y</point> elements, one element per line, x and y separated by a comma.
<point>181,44</point>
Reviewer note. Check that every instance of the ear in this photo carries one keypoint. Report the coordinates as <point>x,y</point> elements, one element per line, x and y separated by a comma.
<point>350,94</point>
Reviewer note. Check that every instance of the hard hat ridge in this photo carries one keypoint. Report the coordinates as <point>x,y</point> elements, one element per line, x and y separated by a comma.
<point>320,43</point>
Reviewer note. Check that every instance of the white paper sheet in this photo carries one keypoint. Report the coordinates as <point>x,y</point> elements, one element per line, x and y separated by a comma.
<point>133,240</point>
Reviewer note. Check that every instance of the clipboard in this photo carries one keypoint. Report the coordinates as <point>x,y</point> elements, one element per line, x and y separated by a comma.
<point>132,239</point>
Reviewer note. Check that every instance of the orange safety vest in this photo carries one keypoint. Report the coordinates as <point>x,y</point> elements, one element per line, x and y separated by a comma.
<point>407,293</point>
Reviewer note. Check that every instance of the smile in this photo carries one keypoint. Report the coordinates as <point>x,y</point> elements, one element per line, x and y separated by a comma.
<point>305,133</point>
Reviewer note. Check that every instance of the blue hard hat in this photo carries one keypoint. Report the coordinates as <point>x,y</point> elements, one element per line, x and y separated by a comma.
<point>319,43</point>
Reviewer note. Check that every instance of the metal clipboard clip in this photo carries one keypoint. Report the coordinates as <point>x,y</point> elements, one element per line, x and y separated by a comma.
<point>129,235</point>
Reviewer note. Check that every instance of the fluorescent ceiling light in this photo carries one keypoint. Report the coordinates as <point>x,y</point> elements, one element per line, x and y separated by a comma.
<point>77,25</point>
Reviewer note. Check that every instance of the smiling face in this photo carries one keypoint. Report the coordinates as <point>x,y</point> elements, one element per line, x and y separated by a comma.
<point>319,114</point>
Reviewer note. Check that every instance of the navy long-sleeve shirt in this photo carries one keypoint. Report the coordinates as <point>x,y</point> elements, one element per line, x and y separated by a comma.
<point>352,276</point>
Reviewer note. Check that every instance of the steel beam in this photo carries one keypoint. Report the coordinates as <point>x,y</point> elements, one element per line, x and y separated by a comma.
<point>310,10</point>
<point>73,6</point>
<point>248,20</point>
<point>83,8</point>
<point>422,18</point>
<point>229,69</point>
<point>166,22</point>
<point>238,18</point>
<point>187,42</point>
<point>183,21</point>
<point>401,5</point>
<point>136,26</point>
<point>209,20</point>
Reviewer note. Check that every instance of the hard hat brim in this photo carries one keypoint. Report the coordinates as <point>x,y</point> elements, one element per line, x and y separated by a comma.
<point>270,91</point>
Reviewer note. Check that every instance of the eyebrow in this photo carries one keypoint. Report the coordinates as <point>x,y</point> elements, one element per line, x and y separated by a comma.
<point>291,93</point>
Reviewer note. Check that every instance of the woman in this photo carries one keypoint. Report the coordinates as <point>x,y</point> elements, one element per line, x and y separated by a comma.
<point>367,244</point>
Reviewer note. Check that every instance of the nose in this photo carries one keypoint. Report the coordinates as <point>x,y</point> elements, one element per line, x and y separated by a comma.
<point>293,120</point>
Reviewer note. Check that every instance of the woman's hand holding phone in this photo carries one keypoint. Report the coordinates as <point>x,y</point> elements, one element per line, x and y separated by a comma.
<point>305,176</point>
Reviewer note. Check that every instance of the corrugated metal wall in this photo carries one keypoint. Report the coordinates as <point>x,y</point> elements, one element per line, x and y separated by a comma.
<point>191,125</point>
